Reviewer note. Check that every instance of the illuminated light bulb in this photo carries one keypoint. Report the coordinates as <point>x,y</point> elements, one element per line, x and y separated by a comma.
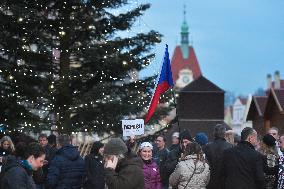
<point>91,27</point>
<point>51,86</point>
<point>62,33</point>
<point>10,77</point>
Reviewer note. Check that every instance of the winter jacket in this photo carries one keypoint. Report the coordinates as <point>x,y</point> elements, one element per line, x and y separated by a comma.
<point>15,175</point>
<point>95,172</point>
<point>214,155</point>
<point>174,147</point>
<point>66,169</point>
<point>169,165</point>
<point>243,167</point>
<point>271,168</point>
<point>190,174</point>
<point>151,173</point>
<point>160,157</point>
<point>127,175</point>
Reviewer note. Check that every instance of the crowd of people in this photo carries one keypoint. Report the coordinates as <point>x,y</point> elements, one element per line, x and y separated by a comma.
<point>52,162</point>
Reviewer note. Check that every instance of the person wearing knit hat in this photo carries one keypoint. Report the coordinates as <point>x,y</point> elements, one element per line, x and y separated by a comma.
<point>146,144</point>
<point>185,135</point>
<point>115,146</point>
<point>122,168</point>
<point>175,141</point>
<point>175,135</point>
<point>271,160</point>
<point>94,167</point>
<point>186,138</point>
<point>151,172</point>
<point>269,140</point>
<point>201,139</point>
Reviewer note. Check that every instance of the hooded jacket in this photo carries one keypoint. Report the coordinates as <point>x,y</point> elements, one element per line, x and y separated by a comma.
<point>127,175</point>
<point>16,175</point>
<point>190,174</point>
<point>66,169</point>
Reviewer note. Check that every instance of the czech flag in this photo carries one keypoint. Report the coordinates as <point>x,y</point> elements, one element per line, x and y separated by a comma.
<point>163,83</point>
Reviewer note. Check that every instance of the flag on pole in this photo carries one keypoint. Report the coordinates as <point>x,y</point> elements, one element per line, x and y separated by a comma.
<point>163,83</point>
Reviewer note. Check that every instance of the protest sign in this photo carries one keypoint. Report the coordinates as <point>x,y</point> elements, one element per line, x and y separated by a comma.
<point>133,127</point>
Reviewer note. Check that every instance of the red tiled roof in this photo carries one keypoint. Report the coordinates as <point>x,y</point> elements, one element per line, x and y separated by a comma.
<point>279,93</point>
<point>260,102</point>
<point>178,63</point>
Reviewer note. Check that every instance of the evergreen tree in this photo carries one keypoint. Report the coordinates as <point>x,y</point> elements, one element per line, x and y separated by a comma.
<point>63,63</point>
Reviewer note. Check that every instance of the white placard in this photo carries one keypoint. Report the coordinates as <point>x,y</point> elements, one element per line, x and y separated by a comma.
<point>133,127</point>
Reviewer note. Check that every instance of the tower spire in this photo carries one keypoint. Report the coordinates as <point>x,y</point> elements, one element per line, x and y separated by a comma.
<point>184,29</point>
<point>184,35</point>
<point>184,13</point>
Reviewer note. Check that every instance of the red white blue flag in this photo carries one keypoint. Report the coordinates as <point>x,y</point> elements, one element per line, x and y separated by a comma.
<point>163,83</point>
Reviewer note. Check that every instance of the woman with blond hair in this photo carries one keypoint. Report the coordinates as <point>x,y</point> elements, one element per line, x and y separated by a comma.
<point>7,147</point>
<point>192,172</point>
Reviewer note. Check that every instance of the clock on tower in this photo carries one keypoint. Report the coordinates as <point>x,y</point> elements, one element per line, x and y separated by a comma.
<point>185,76</point>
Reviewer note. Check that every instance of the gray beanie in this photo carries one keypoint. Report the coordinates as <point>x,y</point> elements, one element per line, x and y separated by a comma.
<point>115,147</point>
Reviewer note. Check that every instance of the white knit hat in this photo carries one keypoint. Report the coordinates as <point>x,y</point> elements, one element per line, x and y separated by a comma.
<point>175,134</point>
<point>145,144</point>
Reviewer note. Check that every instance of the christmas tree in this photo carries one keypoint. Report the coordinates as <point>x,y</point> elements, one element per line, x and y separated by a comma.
<point>64,63</point>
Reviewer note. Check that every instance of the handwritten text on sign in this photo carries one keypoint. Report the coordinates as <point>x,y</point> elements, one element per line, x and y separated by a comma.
<point>133,127</point>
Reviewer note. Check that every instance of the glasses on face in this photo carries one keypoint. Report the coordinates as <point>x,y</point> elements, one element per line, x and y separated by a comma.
<point>274,134</point>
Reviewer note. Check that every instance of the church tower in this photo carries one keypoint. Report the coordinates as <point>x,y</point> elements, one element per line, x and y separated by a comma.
<point>185,66</point>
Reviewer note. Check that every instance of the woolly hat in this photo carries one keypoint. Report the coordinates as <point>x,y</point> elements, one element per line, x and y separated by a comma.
<point>201,138</point>
<point>145,144</point>
<point>185,135</point>
<point>115,147</point>
<point>175,134</point>
<point>269,140</point>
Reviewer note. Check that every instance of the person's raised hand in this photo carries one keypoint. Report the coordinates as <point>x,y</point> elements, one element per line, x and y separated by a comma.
<point>111,162</point>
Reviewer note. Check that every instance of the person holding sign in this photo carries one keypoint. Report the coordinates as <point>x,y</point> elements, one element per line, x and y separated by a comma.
<point>150,168</point>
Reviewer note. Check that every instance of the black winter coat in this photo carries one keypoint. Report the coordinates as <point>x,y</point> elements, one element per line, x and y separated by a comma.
<point>214,155</point>
<point>243,167</point>
<point>127,175</point>
<point>15,175</point>
<point>66,169</point>
<point>94,168</point>
<point>160,157</point>
<point>168,167</point>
